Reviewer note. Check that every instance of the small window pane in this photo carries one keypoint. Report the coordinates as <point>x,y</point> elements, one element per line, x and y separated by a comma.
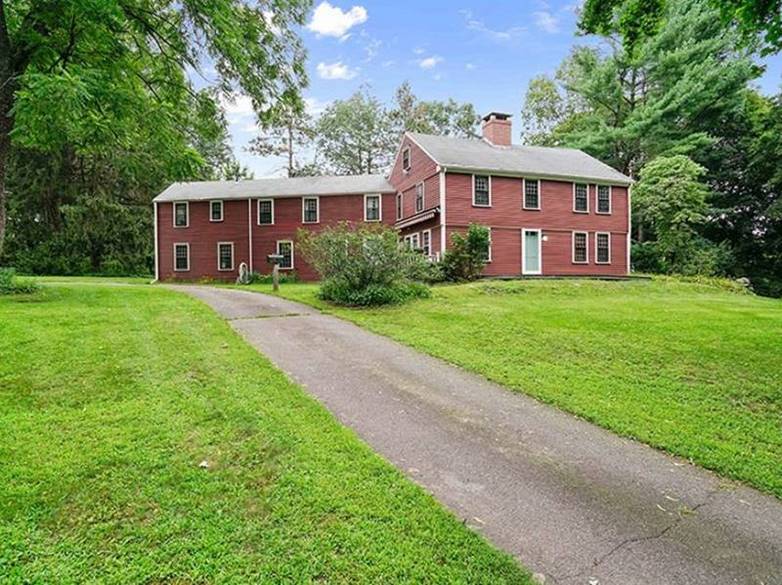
<point>373,208</point>
<point>226,257</point>
<point>580,247</point>
<point>481,190</point>
<point>406,159</point>
<point>426,244</point>
<point>310,210</point>
<point>531,195</point>
<point>265,212</point>
<point>181,260</point>
<point>180,214</point>
<point>603,248</point>
<point>216,209</point>
<point>603,199</point>
<point>581,202</point>
<point>399,206</point>
<point>285,249</point>
<point>419,197</point>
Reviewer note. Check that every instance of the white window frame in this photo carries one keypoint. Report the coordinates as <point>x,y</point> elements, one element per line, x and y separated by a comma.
<point>222,210</point>
<point>428,234</point>
<point>610,200</point>
<point>186,245</point>
<point>524,269</point>
<point>400,203</point>
<point>232,257</point>
<point>473,191</point>
<point>488,255</point>
<point>187,214</point>
<point>317,208</point>
<point>415,241</point>
<point>573,246</point>
<point>574,198</point>
<point>422,185</point>
<point>292,251</point>
<point>379,207</point>
<point>258,214</point>
<point>597,255</point>
<point>524,194</point>
<point>406,152</point>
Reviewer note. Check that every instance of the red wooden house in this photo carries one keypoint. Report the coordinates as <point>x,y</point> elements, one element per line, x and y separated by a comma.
<point>550,211</point>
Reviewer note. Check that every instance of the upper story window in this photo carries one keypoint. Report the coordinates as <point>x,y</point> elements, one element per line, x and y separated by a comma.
<point>285,249</point>
<point>225,256</point>
<point>399,205</point>
<point>419,197</point>
<point>603,248</point>
<point>406,161</point>
<point>580,253</point>
<point>215,211</point>
<point>481,190</point>
<point>181,214</point>
<point>580,197</point>
<point>531,194</point>
<point>372,210</point>
<point>603,199</point>
<point>181,257</point>
<point>265,211</point>
<point>310,210</point>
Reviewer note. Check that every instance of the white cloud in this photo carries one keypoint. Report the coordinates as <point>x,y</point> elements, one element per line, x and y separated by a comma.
<point>238,107</point>
<point>469,66</point>
<point>546,21</point>
<point>336,70</point>
<point>332,21</point>
<point>389,63</point>
<point>419,51</point>
<point>500,36</point>
<point>314,106</point>
<point>430,62</point>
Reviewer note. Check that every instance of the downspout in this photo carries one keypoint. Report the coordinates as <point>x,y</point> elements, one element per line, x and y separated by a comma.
<point>250,230</point>
<point>442,212</point>
<point>157,259</point>
<point>629,226</point>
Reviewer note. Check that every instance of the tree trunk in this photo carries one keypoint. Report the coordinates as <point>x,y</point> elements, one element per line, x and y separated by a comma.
<point>5,148</point>
<point>290,150</point>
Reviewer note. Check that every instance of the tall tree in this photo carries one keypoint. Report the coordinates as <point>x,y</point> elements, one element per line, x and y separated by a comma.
<point>83,73</point>
<point>285,131</point>
<point>445,118</point>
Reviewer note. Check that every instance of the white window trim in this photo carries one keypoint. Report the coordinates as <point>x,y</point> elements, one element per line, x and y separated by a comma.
<point>292,250</point>
<point>488,256</point>
<point>473,191</point>
<point>317,208</point>
<point>409,166</point>
<point>573,246</point>
<point>187,245</point>
<point>524,269</point>
<point>574,198</point>
<point>415,240</point>
<point>429,235</point>
<point>258,214</point>
<point>609,247</point>
<point>610,200</point>
<point>222,210</point>
<point>187,214</point>
<point>423,196</point>
<point>218,256</point>
<point>400,205</point>
<point>524,195</point>
<point>379,207</point>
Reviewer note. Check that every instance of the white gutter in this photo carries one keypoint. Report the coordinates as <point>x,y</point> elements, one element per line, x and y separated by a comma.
<point>442,211</point>
<point>250,229</point>
<point>157,260</point>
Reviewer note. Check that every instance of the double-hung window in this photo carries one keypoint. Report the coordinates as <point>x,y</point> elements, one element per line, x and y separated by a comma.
<point>603,199</point>
<point>580,252</point>
<point>419,197</point>
<point>531,194</point>
<point>426,242</point>
<point>265,211</point>
<point>225,256</point>
<point>415,241</point>
<point>399,205</point>
<point>406,162</point>
<point>481,190</point>
<point>581,197</point>
<point>181,214</point>
<point>215,211</point>
<point>310,210</point>
<point>603,248</point>
<point>372,210</point>
<point>285,249</point>
<point>181,257</point>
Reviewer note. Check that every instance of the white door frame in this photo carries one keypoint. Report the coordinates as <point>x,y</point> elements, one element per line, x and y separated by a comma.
<point>524,233</point>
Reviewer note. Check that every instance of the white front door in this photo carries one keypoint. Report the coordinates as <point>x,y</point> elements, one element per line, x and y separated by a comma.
<point>531,261</point>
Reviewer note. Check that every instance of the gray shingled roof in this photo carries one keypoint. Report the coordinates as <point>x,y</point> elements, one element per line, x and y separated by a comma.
<point>282,187</point>
<point>537,161</point>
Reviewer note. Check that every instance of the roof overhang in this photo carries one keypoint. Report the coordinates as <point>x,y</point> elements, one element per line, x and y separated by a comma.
<point>419,217</point>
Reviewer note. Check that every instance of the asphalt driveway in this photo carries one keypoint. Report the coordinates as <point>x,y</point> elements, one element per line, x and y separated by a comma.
<point>573,502</point>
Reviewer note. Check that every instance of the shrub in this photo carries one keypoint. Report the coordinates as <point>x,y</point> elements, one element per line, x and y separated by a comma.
<point>258,278</point>
<point>364,265</point>
<point>467,257</point>
<point>10,284</point>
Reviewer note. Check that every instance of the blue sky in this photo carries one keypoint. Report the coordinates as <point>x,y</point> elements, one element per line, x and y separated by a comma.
<point>481,52</point>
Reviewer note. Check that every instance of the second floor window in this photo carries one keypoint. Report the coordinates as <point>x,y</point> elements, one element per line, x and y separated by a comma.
<point>310,210</point>
<point>580,254</point>
<point>372,208</point>
<point>419,197</point>
<point>215,211</point>
<point>531,194</point>
<point>580,197</point>
<point>480,192</point>
<point>265,211</point>
<point>181,214</point>
<point>603,199</point>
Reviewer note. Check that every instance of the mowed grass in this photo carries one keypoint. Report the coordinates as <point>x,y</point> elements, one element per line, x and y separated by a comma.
<point>689,368</point>
<point>110,400</point>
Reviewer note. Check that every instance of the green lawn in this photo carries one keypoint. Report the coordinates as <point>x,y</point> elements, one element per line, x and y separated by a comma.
<point>689,368</point>
<point>112,396</point>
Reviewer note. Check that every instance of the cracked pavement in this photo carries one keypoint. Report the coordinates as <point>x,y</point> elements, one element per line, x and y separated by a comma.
<point>573,502</point>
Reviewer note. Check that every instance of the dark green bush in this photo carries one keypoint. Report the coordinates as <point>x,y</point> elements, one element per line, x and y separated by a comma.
<point>467,256</point>
<point>373,295</point>
<point>285,277</point>
<point>10,284</point>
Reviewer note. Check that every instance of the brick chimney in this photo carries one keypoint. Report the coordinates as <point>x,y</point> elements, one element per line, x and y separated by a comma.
<point>497,129</point>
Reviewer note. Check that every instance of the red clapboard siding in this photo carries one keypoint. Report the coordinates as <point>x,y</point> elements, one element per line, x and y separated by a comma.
<point>423,169</point>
